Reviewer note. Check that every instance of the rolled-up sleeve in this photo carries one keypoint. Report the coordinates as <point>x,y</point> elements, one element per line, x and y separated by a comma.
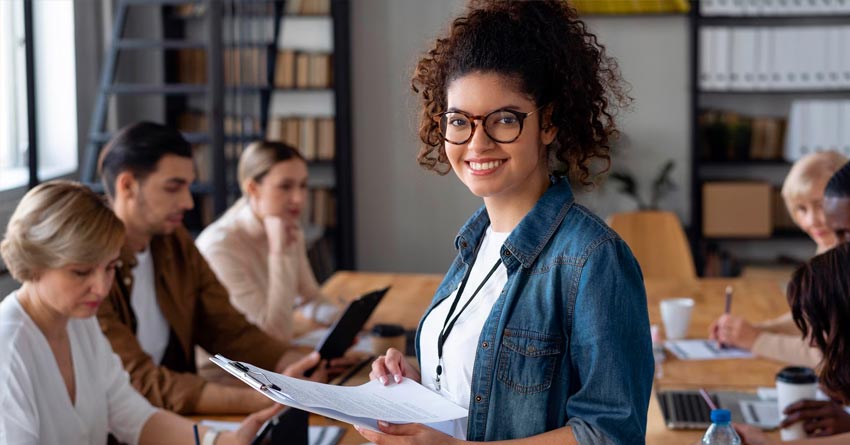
<point>610,350</point>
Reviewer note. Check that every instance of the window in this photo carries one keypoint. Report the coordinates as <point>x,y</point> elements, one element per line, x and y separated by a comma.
<point>54,82</point>
<point>13,97</point>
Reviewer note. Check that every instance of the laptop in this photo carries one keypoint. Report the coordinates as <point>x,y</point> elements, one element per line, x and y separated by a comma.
<point>686,409</point>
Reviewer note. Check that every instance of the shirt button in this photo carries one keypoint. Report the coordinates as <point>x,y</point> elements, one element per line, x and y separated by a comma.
<point>507,252</point>
<point>463,245</point>
<point>478,398</point>
<point>485,345</point>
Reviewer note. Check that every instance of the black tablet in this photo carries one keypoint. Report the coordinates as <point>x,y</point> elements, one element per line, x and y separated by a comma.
<point>287,428</point>
<point>341,335</point>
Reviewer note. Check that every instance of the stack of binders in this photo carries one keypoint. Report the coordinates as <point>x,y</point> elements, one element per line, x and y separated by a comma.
<point>818,125</point>
<point>772,7</point>
<point>790,58</point>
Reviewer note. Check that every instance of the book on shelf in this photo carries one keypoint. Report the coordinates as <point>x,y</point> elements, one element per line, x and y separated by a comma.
<point>313,136</point>
<point>730,136</point>
<point>771,58</point>
<point>310,7</point>
<point>193,121</point>
<point>295,69</point>
<point>322,208</point>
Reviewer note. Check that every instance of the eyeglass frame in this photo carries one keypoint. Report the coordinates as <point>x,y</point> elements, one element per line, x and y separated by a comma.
<point>521,116</point>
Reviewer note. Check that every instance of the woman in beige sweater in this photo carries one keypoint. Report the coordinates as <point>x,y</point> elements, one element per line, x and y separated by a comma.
<point>257,247</point>
<point>780,339</point>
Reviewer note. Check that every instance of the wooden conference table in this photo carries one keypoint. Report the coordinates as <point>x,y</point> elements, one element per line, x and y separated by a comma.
<point>756,299</point>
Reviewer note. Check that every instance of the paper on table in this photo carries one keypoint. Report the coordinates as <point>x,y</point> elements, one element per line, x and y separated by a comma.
<point>761,413</point>
<point>317,435</point>
<point>704,350</point>
<point>364,405</point>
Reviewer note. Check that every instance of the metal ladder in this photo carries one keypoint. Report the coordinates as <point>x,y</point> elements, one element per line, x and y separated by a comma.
<point>215,88</point>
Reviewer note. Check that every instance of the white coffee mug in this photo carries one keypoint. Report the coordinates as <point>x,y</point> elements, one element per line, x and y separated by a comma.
<point>676,315</point>
<point>792,385</point>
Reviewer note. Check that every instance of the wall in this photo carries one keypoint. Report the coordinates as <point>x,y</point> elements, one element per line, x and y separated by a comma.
<point>406,218</point>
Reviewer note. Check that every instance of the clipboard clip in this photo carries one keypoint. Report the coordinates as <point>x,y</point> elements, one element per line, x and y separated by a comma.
<point>262,385</point>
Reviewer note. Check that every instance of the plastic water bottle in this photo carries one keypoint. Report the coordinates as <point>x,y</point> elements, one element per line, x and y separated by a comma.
<point>721,432</point>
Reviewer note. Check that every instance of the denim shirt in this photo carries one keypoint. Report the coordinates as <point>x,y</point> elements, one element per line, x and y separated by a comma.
<point>567,343</point>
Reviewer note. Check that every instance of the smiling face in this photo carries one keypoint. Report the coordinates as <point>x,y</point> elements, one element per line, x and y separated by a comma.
<point>281,192</point>
<point>75,290</point>
<point>493,170</point>
<point>808,213</point>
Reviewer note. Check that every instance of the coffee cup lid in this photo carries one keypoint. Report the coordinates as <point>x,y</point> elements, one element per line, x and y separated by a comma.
<point>388,330</point>
<point>797,375</point>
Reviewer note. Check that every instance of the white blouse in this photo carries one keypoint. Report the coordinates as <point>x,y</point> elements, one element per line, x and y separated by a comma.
<point>35,407</point>
<point>462,344</point>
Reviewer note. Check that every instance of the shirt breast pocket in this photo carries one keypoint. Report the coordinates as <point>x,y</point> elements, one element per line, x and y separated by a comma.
<point>527,360</point>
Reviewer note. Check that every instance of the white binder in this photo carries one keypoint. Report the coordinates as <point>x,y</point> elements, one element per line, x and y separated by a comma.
<point>743,70</point>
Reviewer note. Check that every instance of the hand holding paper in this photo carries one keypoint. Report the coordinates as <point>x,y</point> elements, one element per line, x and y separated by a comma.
<point>364,405</point>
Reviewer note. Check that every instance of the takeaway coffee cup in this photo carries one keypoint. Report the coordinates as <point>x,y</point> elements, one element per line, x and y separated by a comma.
<point>676,315</point>
<point>792,385</point>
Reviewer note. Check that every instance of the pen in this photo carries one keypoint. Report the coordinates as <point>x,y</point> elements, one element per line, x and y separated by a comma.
<point>728,307</point>
<point>197,438</point>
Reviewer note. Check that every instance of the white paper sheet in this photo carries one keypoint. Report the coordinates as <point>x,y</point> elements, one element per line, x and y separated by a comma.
<point>317,435</point>
<point>364,405</point>
<point>761,413</point>
<point>704,350</point>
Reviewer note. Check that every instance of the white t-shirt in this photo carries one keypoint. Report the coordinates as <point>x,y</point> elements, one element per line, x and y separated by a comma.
<point>34,404</point>
<point>462,344</point>
<point>151,328</point>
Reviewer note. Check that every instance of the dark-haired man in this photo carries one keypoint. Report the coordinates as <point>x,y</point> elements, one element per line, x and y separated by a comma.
<point>166,299</point>
<point>836,204</point>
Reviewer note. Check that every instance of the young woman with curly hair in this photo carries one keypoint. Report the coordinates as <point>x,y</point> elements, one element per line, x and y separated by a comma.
<point>540,327</point>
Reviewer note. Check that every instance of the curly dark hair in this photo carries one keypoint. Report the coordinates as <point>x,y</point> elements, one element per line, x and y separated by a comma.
<point>819,296</point>
<point>554,59</point>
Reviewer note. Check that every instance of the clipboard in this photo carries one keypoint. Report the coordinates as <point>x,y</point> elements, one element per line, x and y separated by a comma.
<point>341,335</point>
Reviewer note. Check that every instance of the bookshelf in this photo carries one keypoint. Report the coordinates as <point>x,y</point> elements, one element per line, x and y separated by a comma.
<point>242,70</point>
<point>286,71</point>
<point>739,123</point>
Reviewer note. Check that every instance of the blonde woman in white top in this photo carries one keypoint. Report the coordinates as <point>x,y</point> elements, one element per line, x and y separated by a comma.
<point>257,247</point>
<point>60,382</point>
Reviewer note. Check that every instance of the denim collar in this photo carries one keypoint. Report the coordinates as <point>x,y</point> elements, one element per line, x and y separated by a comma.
<point>530,236</point>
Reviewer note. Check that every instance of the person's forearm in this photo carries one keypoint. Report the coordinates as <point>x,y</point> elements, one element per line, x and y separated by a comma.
<point>220,399</point>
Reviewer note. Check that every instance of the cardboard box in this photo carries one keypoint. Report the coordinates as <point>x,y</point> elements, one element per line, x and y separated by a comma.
<point>737,209</point>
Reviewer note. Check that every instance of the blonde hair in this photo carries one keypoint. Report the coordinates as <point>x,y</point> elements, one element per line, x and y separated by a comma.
<point>810,170</point>
<point>59,223</point>
<point>259,157</point>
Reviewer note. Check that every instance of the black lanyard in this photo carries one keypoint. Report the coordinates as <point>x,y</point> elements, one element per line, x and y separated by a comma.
<point>447,326</point>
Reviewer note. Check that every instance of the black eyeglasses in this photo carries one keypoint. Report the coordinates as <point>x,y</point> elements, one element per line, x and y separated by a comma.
<point>502,126</point>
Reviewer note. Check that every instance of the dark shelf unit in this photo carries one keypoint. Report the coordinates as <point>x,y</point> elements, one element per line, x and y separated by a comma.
<point>221,187</point>
<point>698,165</point>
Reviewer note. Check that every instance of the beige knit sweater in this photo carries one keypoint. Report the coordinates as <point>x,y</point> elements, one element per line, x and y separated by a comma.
<point>265,287</point>
<point>782,341</point>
